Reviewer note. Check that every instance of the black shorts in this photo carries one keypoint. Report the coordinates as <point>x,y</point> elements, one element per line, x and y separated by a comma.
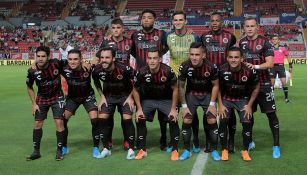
<point>278,69</point>
<point>57,110</point>
<point>195,101</point>
<point>238,105</point>
<point>150,106</point>
<point>89,104</point>
<point>265,99</point>
<point>114,101</point>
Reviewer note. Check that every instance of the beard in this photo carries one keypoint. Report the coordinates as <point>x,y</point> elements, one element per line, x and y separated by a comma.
<point>147,28</point>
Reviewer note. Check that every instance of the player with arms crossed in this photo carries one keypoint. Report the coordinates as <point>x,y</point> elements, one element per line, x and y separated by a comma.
<point>200,77</point>
<point>280,53</point>
<point>46,75</point>
<point>156,88</point>
<point>236,82</point>
<point>117,88</point>
<point>258,54</point>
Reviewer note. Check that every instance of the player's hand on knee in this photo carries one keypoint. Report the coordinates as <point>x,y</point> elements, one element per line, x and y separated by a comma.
<point>139,115</point>
<point>35,108</point>
<point>173,115</point>
<point>130,102</point>
<point>103,101</point>
<point>212,110</point>
<point>248,111</point>
<point>222,111</point>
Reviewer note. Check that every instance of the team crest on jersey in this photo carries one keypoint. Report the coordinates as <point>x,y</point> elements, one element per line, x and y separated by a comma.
<point>244,78</point>
<point>127,47</point>
<point>156,38</point>
<point>163,79</point>
<point>55,72</point>
<point>86,74</point>
<point>207,74</point>
<point>119,77</point>
<point>225,40</point>
<point>258,47</point>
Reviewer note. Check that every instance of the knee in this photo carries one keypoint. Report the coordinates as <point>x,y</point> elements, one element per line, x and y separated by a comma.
<point>38,124</point>
<point>67,114</point>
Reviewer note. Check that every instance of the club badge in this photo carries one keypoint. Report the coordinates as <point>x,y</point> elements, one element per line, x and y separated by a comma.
<point>163,79</point>
<point>55,72</point>
<point>244,78</point>
<point>207,74</point>
<point>119,77</point>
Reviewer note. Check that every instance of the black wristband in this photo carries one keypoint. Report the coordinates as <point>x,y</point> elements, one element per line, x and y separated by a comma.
<point>290,65</point>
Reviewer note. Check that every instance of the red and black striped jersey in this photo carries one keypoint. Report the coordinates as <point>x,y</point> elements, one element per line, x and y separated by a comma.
<point>79,83</point>
<point>199,79</point>
<point>254,52</point>
<point>143,41</point>
<point>122,49</point>
<point>236,86</point>
<point>48,82</point>
<point>155,85</point>
<point>217,45</point>
<point>117,82</point>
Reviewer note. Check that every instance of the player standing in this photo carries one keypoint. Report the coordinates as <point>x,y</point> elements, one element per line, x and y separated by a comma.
<point>216,42</point>
<point>236,82</point>
<point>258,54</point>
<point>280,53</point>
<point>200,77</point>
<point>49,95</point>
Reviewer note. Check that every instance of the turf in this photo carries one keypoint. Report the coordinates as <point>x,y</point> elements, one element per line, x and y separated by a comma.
<point>16,135</point>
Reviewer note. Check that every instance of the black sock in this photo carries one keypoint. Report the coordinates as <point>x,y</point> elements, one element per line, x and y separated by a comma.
<point>186,134</point>
<point>141,134</point>
<point>274,125</point>
<point>246,134</point>
<point>252,121</point>
<point>95,132</point>
<point>130,131</point>
<point>60,137</point>
<point>163,128</point>
<point>110,126</point>
<point>232,126</point>
<point>174,133</point>
<point>223,132</point>
<point>104,134</point>
<point>124,129</point>
<point>65,121</point>
<point>195,129</point>
<point>285,92</point>
<point>206,129</point>
<point>213,135</point>
<point>37,137</point>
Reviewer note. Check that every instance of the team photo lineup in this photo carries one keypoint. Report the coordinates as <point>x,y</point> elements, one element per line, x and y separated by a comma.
<point>227,77</point>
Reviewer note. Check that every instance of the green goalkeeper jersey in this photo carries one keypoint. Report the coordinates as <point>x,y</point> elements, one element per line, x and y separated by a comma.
<point>179,46</point>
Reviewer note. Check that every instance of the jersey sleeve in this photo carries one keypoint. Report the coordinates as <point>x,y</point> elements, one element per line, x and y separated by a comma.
<point>197,38</point>
<point>173,78</point>
<point>214,73</point>
<point>137,80</point>
<point>254,78</point>
<point>182,73</point>
<point>133,47</point>
<point>30,78</point>
<point>164,42</point>
<point>233,40</point>
<point>103,44</point>
<point>268,49</point>
<point>286,52</point>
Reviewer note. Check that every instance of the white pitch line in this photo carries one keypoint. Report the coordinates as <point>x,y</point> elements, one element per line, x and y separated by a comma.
<point>200,163</point>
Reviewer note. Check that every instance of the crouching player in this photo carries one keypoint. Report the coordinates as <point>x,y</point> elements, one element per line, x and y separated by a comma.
<point>200,77</point>
<point>117,88</point>
<point>239,89</point>
<point>156,89</point>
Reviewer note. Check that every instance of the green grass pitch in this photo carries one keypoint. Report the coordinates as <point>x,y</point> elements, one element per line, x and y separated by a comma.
<point>16,123</point>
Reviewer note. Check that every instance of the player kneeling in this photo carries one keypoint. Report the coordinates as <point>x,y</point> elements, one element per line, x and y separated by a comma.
<point>239,89</point>
<point>156,88</point>
<point>117,88</point>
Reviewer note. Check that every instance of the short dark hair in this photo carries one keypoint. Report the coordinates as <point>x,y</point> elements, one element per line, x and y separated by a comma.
<point>196,45</point>
<point>117,21</point>
<point>234,49</point>
<point>179,13</point>
<point>155,49</point>
<point>43,49</point>
<point>250,18</point>
<point>274,35</point>
<point>216,13</point>
<point>76,51</point>
<point>98,54</point>
<point>149,11</point>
